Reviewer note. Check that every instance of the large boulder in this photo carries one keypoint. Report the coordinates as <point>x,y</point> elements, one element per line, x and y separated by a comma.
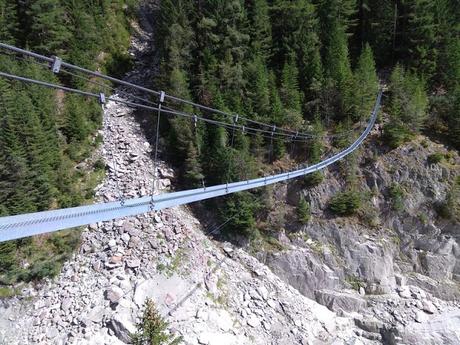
<point>336,301</point>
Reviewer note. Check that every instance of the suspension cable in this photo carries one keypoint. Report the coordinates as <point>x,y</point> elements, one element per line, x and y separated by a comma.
<point>118,81</point>
<point>166,110</point>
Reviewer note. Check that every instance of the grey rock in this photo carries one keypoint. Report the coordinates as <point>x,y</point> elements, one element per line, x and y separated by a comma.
<point>253,321</point>
<point>52,333</point>
<point>133,263</point>
<point>65,304</point>
<point>122,326</point>
<point>428,307</point>
<point>113,294</point>
<point>96,314</point>
<point>335,300</point>
<point>369,324</point>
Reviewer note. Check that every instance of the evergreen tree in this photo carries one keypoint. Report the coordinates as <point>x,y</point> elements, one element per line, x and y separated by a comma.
<point>338,68</point>
<point>261,30</point>
<point>8,22</point>
<point>291,96</point>
<point>48,31</point>
<point>422,37</point>
<point>303,211</point>
<point>365,84</point>
<point>295,31</point>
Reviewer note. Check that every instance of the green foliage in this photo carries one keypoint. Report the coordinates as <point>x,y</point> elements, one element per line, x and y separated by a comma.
<point>365,85</point>
<point>303,211</point>
<point>314,179</point>
<point>450,208</point>
<point>152,328</point>
<point>435,158</point>
<point>396,134</point>
<point>45,133</point>
<point>346,203</point>
<point>408,102</point>
<point>396,194</point>
<point>241,208</point>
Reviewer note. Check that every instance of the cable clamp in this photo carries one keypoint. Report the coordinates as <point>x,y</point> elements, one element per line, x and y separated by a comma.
<point>101,98</point>
<point>243,129</point>
<point>56,66</point>
<point>152,204</point>
<point>235,118</point>
<point>195,120</point>
<point>273,130</point>
<point>162,96</point>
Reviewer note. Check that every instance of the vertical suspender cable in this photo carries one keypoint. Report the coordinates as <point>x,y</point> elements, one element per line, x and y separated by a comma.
<point>155,157</point>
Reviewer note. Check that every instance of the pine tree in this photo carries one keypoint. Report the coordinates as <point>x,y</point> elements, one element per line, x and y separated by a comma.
<point>261,36</point>
<point>295,31</point>
<point>258,88</point>
<point>303,211</point>
<point>48,31</point>
<point>337,67</point>
<point>365,84</point>
<point>423,37</point>
<point>291,96</point>
<point>8,22</point>
<point>193,173</point>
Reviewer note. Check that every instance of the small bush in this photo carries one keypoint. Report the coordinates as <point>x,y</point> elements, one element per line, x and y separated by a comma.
<point>346,203</point>
<point>396,194</point>
<point>152,328</point>
<point>313,179</point>
<point>99,165</point>
<point>435,158</point>
<point>394,135</point>
<point>450,208</point>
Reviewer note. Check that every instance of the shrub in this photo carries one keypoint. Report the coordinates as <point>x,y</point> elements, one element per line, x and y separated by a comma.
<point>303,211</point>
<point>152,328</point>
<point>313,179</point>
<point>435,158</point>
<point>450,208</point>
<point>346,203</point>
<point>396,194</point>
<point>394,135</point>
<point>99,165</point>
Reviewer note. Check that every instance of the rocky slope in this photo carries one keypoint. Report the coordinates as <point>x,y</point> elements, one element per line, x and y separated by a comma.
<point>399,266</point>
<point>393,280</point>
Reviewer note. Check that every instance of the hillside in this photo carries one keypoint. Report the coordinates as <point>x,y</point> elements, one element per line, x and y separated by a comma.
<point>364,252</point>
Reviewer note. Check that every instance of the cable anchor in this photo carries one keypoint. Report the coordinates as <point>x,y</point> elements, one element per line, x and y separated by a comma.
<point>56,64</point>
<point>102,99</point>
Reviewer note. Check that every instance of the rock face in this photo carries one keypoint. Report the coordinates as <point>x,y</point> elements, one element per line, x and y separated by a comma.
<point>403,268</point>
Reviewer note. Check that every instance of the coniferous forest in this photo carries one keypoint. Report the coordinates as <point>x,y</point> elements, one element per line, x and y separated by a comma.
<point>45,134</point>
<point>310,66</point>
<point>305,65</point>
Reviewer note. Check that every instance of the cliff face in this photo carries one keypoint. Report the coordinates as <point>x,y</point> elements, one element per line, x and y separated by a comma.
<point>392,253</point>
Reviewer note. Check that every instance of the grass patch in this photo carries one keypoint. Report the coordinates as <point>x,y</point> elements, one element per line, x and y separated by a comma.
<point>355,282</point>
<point>435,158</point>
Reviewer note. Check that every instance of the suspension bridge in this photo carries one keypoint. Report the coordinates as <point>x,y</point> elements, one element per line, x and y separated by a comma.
<point>25,225</point>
